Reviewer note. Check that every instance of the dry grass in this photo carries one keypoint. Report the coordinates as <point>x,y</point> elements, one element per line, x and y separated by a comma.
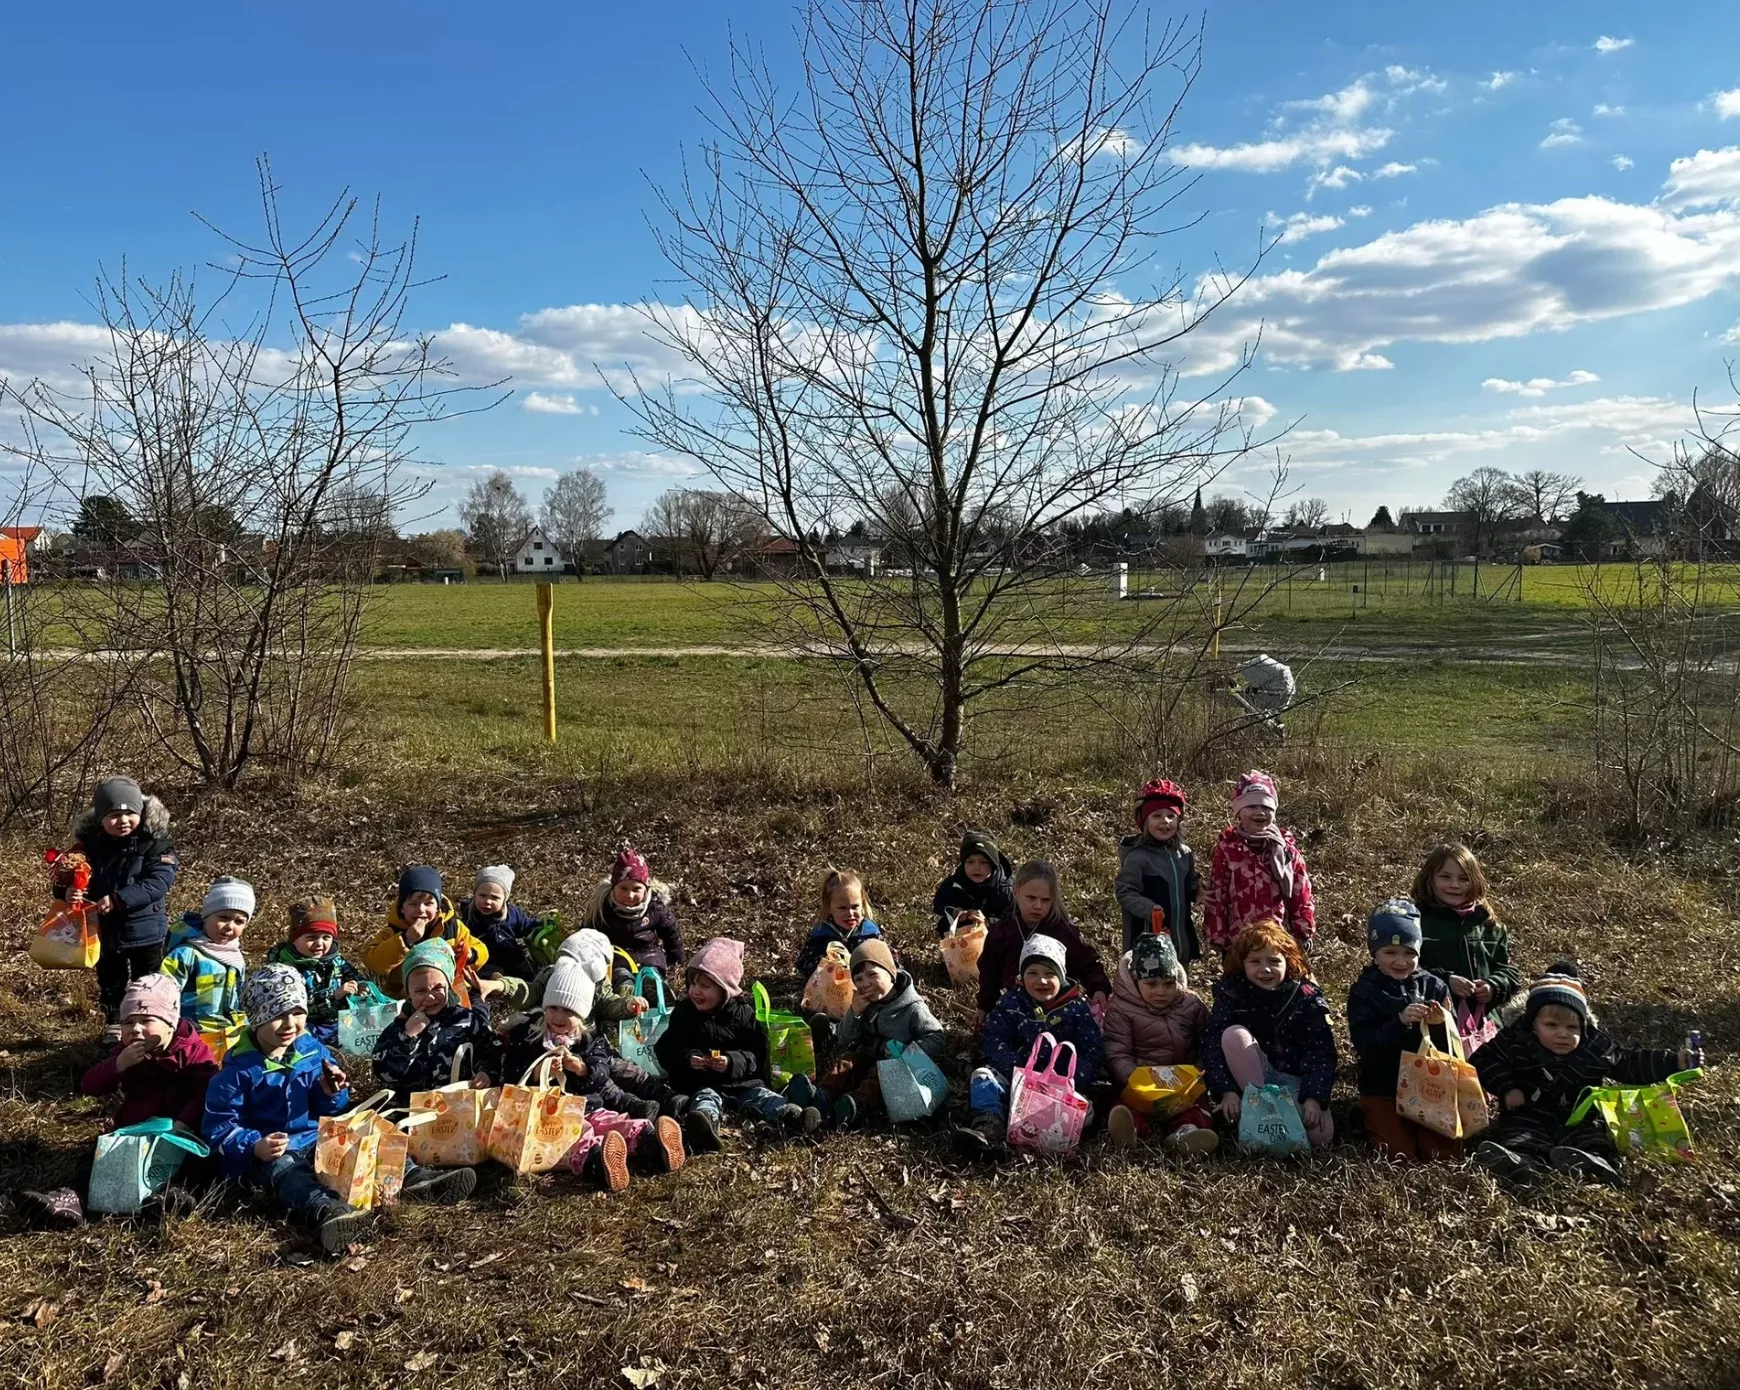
<point>876,1260</point>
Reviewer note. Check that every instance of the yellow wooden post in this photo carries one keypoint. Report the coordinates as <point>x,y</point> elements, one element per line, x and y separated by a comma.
<point>547,634</point>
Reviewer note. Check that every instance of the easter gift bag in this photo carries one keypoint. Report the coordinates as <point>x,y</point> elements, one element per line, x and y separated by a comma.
<point>1046,1113</point>
<point>363,1019</point>
<point>135,1163</point>
<point>1163,1091</point>
<point>458,1136</point>
<point>913,1087</point>
<point>1440,1090</point>
<point>961,950</point>
<point>1645,1121</point>
<point>791,1048</point>
<point>636,1037</point>
<point>536,1124</point>
<point>1270,1123</point>
<point>829,990</point>
<point>67,940</point>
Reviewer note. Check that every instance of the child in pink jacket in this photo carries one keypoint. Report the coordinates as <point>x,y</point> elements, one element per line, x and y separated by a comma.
<point>1155,1020</point>
<point>1258,873</point>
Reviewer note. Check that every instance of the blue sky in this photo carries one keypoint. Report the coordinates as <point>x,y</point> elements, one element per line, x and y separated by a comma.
<point>1514,229</point>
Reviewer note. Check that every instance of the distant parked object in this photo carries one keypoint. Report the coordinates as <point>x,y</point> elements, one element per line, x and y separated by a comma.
<point>15,542</point>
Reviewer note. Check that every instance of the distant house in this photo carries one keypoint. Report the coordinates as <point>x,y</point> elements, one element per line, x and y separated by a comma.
<point>15,543</point>
<point>1647,526</point>
<point>857,554</point>
<point>1228,545</point>
<point>538,554</point>
<point>629,553</point>
<point>1446,524</point>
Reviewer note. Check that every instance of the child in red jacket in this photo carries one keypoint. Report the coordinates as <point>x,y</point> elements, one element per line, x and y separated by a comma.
<point>161,1067</point>
<point>1258,873</point>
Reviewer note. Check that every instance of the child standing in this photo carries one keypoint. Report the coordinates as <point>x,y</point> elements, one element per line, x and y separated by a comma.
<point>502,926</point>
<point>846,920</point>
<point>205,957</point>
<point>1038,911</point>
<point>1539,1066</point>
<point>312,951</point>
<point>1258,873</point>
<point>633,910</point>
<point>1461,941</point>
<point>1270,1026</point>
<point>1045,1001</point>
<point>125,837</point>
<point>979,889</point>
<point>1155,1020</point>
<point>886,1008</point>
<point>1157,871</point>
<point>1389,1007</point>
<point>415,1052</point>
<point>421,910</point>
<point>714,1050</point>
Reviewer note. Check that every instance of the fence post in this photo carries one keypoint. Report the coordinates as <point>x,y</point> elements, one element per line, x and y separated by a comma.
<point>547,634</point>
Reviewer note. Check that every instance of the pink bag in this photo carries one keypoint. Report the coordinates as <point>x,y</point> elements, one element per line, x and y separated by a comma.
<point>1046,1115</point>
<point>1475,1026</point>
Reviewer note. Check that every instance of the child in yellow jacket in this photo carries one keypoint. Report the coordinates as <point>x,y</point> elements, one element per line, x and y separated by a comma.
<point>421,912</point>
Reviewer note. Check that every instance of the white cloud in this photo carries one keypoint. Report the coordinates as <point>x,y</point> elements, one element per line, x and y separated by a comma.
<point>1564,131</point>
<point>1108,140</point>
<point>1709,176</point>
<point>1500,79</point>
<point>1302,224</point>
<point>1536,386</point>
<point>1727,103</point>
<point>51,352</point>
<point>1338,178</point>
<point>1607,45</point>
<point>513,470</point>
<point>1270,156</point>
<point>1621,162</point>
<point>576,347</point>
<point>541,404</point>
<point>1394,170</point>
<point>637,463</point>
<point>1361,211</point>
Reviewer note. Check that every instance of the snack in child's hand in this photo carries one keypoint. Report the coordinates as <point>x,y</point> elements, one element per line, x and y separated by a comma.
<point>717,1056</point>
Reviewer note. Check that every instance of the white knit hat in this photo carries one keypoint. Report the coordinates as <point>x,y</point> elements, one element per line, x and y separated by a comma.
<point>570,987</point>
<point>229,895</point>
<point>498,874</point>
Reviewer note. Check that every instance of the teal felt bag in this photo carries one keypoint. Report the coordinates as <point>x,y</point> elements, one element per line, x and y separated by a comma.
<point>363,1019</point>
<point>636,1037</point>
<point>1270,1122</point>
<point>913,1086</point>
<point>134,1164</point>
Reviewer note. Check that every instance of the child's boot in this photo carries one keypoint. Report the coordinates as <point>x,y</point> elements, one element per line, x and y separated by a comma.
<point>1121,1125</point>
<point>340,1226</point>
<point>1503,1162</point>
<point>1193,1139</point>
<point>661,1146</point>
<point>799,1119</point>
<point>608,1163</point>
<point>800,1091</point>
<point>844,1114</point>
<point>983,1134</point>
<point>701,1129</point>
<point>440,1187</point>
<point>58,1209</point>
<point>1580,1163</point>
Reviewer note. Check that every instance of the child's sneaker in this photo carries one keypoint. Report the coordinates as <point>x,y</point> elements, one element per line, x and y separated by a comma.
<point>1193,1139</point>
<point>340,1226</point>
<point>800,1091</point>
<point>55,1210</point>
<point>1580,1163</point>
<point>440,1187</point>
<point>1504,1163</point>
<point>677,1107</point>
<point>799,1119</point>
<point>981,1135</point>
<point>844,1114</point>
<point>664,1144</point>
<point>701,1129</point>
<point>1121,1125</point>
<point>638,1109</point>
<point>611,1158</point>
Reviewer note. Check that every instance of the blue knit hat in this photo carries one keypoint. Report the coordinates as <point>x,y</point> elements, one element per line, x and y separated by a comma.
<point>419,878</point>
<point>1394,923</point>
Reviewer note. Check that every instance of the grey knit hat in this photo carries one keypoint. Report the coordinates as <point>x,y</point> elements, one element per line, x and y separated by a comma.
<point>228,895</point>
<point>117,794</point>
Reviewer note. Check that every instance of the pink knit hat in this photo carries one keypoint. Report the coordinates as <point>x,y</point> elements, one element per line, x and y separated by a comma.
<point>155,996</point>
<point>721,960</point>
<point>1255,789</point>
<point>631,866</point>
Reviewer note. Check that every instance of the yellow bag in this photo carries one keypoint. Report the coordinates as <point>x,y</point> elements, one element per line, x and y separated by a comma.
<point>1163,1091</point>
<point>360,1156</point>
<point>458,1135</point>
<point>536,1125</point>
<point>220,1039</point>
<point>1440,1090</point>
<point>67,940</point>
<point>961,950</point>
<point>829,990</point>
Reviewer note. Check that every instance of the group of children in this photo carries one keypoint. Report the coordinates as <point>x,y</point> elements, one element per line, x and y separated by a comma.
<point>474,1005</point>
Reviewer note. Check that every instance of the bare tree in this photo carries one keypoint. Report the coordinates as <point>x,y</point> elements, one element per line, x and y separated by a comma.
<point>711,530</point>
<point>573,514</point>
<point>1230,514</point>
<point>1548,495</point>
<point>929,290</point>
<point>257,466</point>
<point>1491,500</point>
<point>497,520</point>
<point>1307,514</point>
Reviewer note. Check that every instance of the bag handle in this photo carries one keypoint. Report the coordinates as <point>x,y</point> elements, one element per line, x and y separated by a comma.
<point>356,1112</point>
<point>1033,1055</point>
<point>460,1053</point>
<point>1057,1056</point>
<point>188,1143</point>
<point>544,1063</point>
<point>1452,1036</point>
<point>157,1124</point>
<point>646,972</point>
<point>763,1005</point>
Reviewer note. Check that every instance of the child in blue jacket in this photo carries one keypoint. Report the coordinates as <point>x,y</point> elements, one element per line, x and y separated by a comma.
<point>205,957</point>
<point>1045,1000</point>
<point>500,924</point>
<point>846,920</point>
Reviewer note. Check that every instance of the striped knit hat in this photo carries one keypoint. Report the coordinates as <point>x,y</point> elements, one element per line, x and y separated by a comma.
<point>1561,985</point>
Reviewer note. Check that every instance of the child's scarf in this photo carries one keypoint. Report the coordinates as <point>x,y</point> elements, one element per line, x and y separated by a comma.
<point>1272,844</point>
<point>224,953</point>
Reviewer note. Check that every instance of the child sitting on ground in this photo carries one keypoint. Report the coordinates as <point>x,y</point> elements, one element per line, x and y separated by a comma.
<point>1155,1020</point>
<point>421,910</point>
<point>1046,1000</point>
<point>714,1050</point>
<point>846,920</point>
<point>1157,871</point>
<point>1258,873</point>
<point>502,926</point>
<point>205,957</point>
<point>416,1051</point>
<point>125,839</point>
<point>979,889</point>
<point>1540,1065</point>
<point>312,951</point>
<point>618,1126</point>
<point>1038,911</point>
<point>1461,941</point>
<point>1270,1027</point>
<point>886,1008</point>
<point>1389,1007</point>
<point>161,1067</point>
<point>633,910</point>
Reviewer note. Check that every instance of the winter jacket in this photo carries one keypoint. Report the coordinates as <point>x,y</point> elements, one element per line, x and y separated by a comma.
<point>651,939</point>
<point>136,872</point>
<point>825,934</point>
<point>1000,960</point>
<point>1242,890</point>
<point>995,898</point>
<point>211,989</point>
<point>321,976</point>
<point>425,1062</point>
<point>1374,1007</point>
<point>731,1029</point>
<point>170,1085</point>
<point>1552,1085</point>
<point>1290,1024</point>
<point>504,938</point>
<point>1140,1035</point>
<point>1015,1024</point>
<point>1472,945</point>
<point>386,953</point>
<point>254,1095</point>
<point>523,1047</point>
<point>1158,874</point>
<point>900,1016</point>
